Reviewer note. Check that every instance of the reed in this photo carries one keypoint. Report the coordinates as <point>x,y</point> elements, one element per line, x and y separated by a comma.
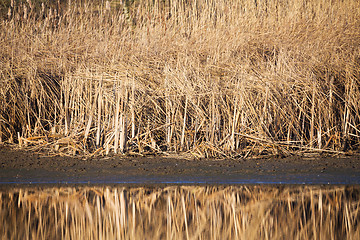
<point>212,77</point>
<point>181,212</point>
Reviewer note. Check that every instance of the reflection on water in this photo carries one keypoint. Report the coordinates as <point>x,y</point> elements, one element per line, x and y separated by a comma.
<point>181,212</point>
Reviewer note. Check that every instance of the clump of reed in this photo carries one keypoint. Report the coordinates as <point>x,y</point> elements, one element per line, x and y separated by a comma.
<point>181,212</point>
<point>215,78</point>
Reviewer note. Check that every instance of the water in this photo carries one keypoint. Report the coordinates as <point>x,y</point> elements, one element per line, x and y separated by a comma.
<point>46,177</point>
<point>44,204</point>
<point>180,212</point>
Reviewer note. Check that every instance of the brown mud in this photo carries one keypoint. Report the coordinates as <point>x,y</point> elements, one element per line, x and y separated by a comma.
<point>25,167</point>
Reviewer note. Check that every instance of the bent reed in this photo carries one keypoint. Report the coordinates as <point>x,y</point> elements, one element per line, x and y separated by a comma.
<point>181,212</point>
<point>211,77</point>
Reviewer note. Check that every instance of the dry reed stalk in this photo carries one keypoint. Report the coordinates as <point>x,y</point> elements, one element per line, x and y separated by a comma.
<point>117,119</point>
<point>99,113</point>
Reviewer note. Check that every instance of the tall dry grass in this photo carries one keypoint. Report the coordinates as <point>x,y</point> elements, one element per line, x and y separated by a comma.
<point>187,212</point>
<point>213,77</point>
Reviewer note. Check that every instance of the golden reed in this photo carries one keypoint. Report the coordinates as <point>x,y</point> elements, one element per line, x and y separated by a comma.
<point>181,212</point>
<point>212,77</point>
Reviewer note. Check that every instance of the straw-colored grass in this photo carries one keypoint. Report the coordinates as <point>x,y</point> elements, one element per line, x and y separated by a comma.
<point>187,212</point>
<point>213,77</point>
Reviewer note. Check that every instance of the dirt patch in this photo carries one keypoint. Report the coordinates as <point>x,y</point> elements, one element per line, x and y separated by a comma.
<point>19,166</point>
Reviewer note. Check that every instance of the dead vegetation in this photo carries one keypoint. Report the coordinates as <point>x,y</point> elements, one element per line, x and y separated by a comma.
<point>212,77</point>
<point>181,212</point>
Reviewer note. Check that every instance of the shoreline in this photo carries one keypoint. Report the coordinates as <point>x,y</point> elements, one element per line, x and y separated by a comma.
<point>24,167</point>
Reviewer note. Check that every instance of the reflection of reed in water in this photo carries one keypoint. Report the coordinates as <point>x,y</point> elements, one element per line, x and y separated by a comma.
<point>186,212</point>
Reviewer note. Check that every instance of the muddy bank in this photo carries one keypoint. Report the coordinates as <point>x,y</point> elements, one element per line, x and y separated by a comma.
<point>19,166</point>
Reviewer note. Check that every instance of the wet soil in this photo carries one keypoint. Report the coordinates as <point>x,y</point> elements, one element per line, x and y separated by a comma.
<point>25,167</point>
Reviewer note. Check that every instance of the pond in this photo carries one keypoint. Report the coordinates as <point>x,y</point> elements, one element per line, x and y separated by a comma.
<point>178,198</point>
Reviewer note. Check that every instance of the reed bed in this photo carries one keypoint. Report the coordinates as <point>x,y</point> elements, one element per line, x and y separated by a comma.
<point>211,77</point>
<point>181,212</point>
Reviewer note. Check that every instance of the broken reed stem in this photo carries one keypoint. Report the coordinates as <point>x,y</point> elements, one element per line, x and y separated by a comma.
<point>123,131</point>
<point>132,108</point>
<point>98,130</point>
<point>184,125</point>
<point>312,117</point>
